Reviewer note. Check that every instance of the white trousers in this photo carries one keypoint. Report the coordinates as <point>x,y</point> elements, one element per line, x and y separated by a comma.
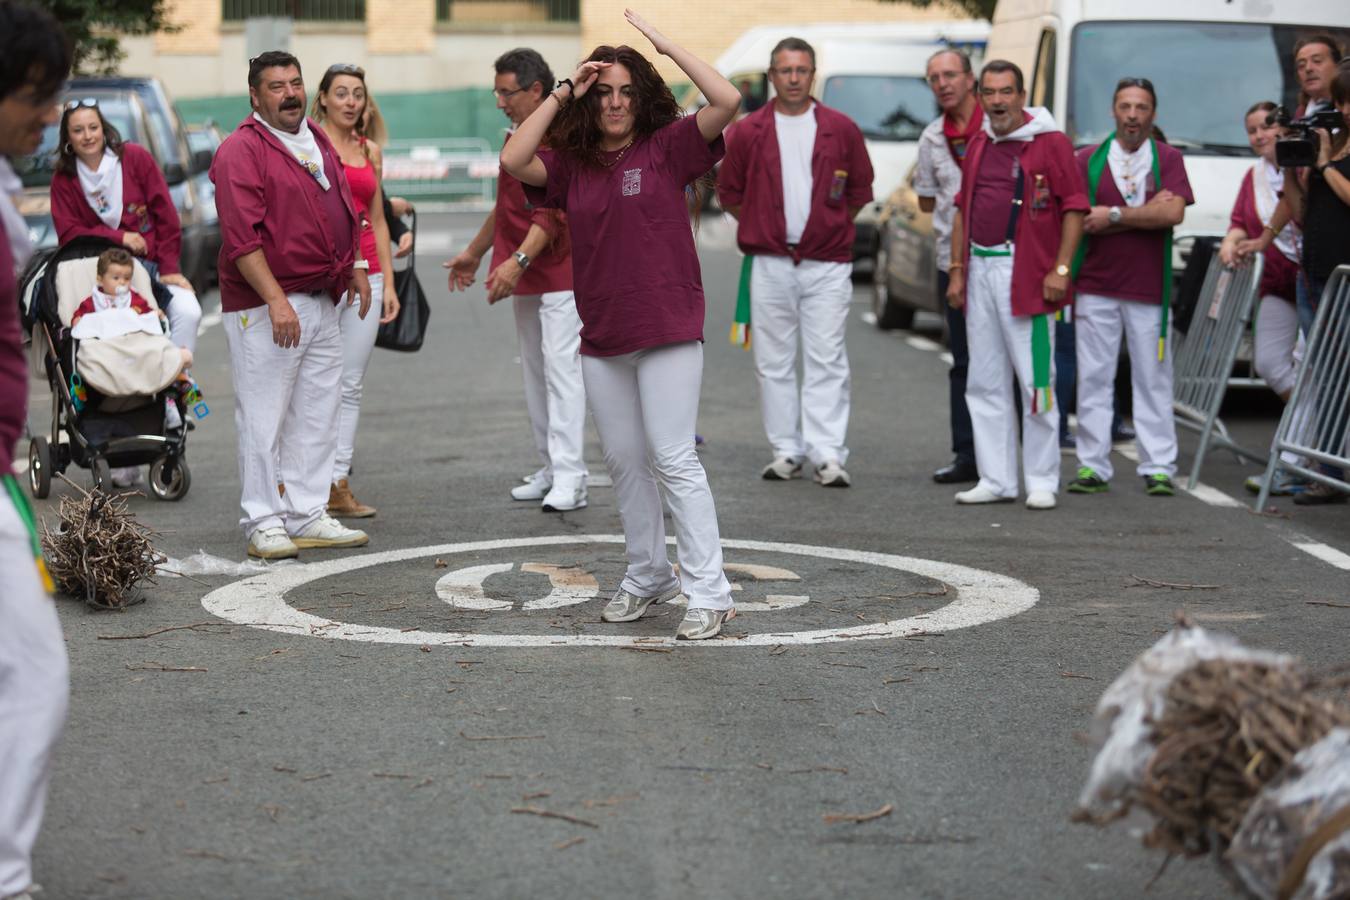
<point>358,340</point>
<point>1000,363</point>
<point>1279,346</point>
<point>1098,328</point>
<point>34,691</point>
<point>805,304</point>
<point>645,406</point>
<point>548,330</point>
<point>185,317</point>
<point>286,412</point>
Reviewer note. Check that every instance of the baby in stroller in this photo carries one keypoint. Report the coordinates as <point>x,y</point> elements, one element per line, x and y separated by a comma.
<point>114,309</point>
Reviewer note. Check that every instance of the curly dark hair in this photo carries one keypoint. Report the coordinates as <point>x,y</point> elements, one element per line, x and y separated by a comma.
<point>576,130</point>
<point>65,159</point>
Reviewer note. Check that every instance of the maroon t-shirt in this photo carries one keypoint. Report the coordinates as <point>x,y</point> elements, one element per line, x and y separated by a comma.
<point>995,182</point>
<point>1128,265</point>
<point>551,268</point>
<point>635,270</point>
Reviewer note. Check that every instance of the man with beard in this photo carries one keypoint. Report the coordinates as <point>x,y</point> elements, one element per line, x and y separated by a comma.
<point>937,178</point>
<point>1139,192</point>
<point>1018,221</point>
<point>289,251</point>
<point>34,679</point>
<point>532,264</point>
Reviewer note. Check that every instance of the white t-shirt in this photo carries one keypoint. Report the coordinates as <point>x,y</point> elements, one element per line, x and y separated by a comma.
<point>796,143</point>
<point>938,175</point>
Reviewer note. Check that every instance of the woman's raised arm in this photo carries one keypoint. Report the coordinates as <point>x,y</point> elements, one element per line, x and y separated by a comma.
<point>519,157</point>
<point>723,98</point>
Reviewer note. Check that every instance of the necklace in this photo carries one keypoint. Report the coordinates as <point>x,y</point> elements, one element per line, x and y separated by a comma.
<point>622,151</point>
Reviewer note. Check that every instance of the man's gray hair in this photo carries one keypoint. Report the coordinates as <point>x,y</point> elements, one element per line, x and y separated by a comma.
<point>528,67</point>
<point>960,54</point>
<point>796,44</point>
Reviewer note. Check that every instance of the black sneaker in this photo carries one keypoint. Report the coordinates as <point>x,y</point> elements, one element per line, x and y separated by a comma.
<point>1319,494</point>
<point>1158,485</point>
<point>1088,482</point>
<point>1122,434</point>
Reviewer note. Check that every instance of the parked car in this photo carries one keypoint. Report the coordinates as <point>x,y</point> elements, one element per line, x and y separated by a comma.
<point>141,112</point>
<point>206,138</point>
<point>905,277</point>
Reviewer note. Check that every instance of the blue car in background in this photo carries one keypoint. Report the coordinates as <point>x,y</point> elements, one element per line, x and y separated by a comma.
<point>141,112</point>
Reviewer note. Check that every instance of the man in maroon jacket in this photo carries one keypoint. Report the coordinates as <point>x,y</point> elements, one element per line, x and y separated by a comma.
<point>1019,217</point>
<point>34,679</point>
<point>289,250</point>
<point>795,174</point>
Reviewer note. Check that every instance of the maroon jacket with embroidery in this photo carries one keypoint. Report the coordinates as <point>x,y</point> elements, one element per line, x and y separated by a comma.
<point>13,366</point>
<point>1280,275</point>
<point>1048,160</point>
<point>147,209</point>
<point>751,177</point>
<point>267,200</point>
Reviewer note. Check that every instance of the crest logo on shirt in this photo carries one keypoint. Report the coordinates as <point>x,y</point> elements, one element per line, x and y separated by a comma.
<point>632,182</point>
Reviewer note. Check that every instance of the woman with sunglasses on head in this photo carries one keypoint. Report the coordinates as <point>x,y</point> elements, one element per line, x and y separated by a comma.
<point>621,155</point>
<point>340,107</point>
<point>110,188</point>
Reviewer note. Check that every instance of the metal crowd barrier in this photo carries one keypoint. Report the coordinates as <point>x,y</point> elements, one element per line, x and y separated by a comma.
<point>1314,424</point>
<point>448,170</point>
<point>1203,357</point>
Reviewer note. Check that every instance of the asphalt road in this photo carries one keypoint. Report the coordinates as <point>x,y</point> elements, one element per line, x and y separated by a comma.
<point>330,760</point>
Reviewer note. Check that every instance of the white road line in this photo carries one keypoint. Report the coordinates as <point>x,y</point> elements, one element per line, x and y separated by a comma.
<point>208,320</point>
<point>1324,552</point>
<point>919,342</point>
<point>947,358</point>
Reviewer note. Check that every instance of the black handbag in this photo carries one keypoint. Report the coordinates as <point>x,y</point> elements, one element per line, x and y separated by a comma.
<point>406,332</point>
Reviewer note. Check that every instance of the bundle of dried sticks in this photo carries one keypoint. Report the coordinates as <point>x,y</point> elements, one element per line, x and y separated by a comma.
<point>99,551</point>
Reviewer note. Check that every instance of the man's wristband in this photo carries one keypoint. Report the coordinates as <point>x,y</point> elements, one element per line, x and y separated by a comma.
<point>361,264</point>
<point>951,266</point>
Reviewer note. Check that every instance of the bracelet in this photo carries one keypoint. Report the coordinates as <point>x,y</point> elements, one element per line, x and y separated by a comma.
<point>1271,230</point>
<point>571,88</point>
<point>951,266</point>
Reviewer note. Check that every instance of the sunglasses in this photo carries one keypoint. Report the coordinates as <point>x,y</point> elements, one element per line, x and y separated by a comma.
<point>86,103</point>
<point>347,69</point>
<point>1136,83</point>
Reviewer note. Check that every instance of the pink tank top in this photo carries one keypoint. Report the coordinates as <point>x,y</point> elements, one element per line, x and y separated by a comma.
<point>362,181</point>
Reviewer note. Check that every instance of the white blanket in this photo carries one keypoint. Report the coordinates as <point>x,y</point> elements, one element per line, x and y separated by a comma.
<point>110,323</point>
<point>129,365</point>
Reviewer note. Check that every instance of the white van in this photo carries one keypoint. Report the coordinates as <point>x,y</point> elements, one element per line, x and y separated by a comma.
<point>1209,60</point>
<point>872,72</point>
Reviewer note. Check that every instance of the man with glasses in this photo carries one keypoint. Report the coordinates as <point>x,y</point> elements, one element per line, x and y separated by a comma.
<point>937,178</point>
<point>289,251</point>
<point>1018,221</point>
<point>795,174</point>
<point>1139,192</point>
<point>34,679</point>
<point>532,264</point>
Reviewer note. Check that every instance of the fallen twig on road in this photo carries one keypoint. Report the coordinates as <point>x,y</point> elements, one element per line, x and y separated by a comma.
<point>1076,675</point>
<point>817,769</point>
<point>502,737</point>
<point>570,842</point>
<point>160,667</point>
<point>1327,603</point>
<point>858,818</point>
<point>136,637</point>
<point>549,814</point>
<point>1174,585</point>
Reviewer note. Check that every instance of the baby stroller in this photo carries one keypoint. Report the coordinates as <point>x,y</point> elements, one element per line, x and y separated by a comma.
<point>100,431</point>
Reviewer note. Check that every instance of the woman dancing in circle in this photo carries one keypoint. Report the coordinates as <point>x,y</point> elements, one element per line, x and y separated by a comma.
<point>619,159</point>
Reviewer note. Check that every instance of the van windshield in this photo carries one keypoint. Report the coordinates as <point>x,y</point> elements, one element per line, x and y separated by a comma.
<point>1207,74</point>
<point>885,107</point>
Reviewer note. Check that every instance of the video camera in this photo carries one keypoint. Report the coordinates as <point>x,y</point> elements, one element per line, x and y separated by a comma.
<point>1298,148</point>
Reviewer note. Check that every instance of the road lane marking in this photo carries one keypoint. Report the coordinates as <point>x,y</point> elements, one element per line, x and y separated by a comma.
<point>919,342</point>
<point>1324,552</point>
<point>259,601</point>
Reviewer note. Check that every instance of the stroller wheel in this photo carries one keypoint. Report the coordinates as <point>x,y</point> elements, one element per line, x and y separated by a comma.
<point>170,483</point>
<point>40,467</point>
<point>102,474</point>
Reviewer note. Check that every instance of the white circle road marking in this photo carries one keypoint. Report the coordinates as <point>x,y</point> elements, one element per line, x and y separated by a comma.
<point>259,601</point>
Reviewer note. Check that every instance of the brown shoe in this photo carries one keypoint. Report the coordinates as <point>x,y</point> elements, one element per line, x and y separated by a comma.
<point>342,504</point>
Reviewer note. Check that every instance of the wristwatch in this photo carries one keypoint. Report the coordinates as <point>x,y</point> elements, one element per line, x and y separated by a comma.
<point>522,259</point>
<point>1062,270</point>
<point>1114,215</point>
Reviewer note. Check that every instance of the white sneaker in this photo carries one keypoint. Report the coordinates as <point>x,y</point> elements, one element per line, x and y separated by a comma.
<point>981,494</point>
<point>564,497</point>
<point>327,531</point>
<point>1041,500</point>
<point>832,475</point>
<point>536,487</point>
<point>783,468</point>
<point>272,543</point>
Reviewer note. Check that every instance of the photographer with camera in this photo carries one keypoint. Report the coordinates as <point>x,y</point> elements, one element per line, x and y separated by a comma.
<point>1325,207</point>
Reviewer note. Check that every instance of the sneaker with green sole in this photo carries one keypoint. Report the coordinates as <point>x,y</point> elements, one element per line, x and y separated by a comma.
<point>1088,482</point>
<point>1158,485</point>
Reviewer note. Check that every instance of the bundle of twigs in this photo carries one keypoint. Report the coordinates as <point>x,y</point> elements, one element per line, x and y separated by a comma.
<point>1228,729</point>
<point>98,550</point>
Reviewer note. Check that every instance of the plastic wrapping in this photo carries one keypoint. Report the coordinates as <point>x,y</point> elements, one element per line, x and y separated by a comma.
<point>1121,726</point>
<point>203,563</point>
<point>1309,792</point>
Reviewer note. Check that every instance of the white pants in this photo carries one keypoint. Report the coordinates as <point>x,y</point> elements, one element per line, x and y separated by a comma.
<point>549,333</point>
<point>1279,346</point>
<point>286,412</point>
<point>34,691</point>
<point>645,406</point>
<point>358,340</point>
<point>185,316</point>
<point>1000,362</point>
<point>1100,322</point>
<point>806,303</point>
